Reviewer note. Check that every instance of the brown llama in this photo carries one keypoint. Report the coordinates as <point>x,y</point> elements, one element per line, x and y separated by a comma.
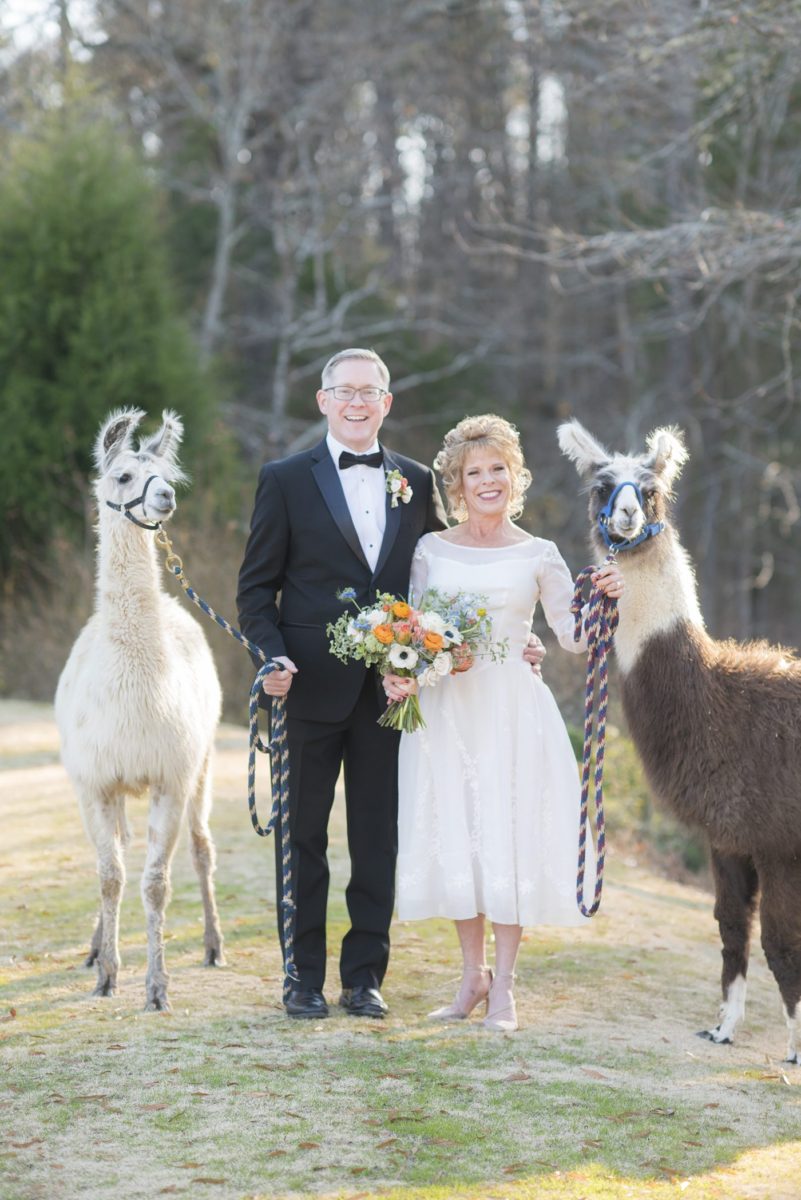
<point>716,724</point>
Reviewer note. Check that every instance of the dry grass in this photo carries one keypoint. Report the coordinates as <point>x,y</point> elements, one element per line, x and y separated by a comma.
<point>604,1092</point>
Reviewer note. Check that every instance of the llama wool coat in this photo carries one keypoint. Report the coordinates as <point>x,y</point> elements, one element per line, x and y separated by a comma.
<point>303,548</point>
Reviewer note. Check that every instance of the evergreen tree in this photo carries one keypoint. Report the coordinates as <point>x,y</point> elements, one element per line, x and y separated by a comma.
<point>88,321</point>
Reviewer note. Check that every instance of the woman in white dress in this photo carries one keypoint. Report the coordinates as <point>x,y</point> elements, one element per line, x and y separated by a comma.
<point>489,790</point>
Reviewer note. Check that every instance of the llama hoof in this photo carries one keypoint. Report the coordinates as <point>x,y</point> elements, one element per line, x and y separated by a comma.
<point>105,987</point>
<point>794,1059</point>
<point>713,1035</point>
<point>214,957</point>
<point>158,1004</point>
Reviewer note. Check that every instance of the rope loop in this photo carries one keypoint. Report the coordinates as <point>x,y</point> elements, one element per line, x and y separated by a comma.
<point>599,624</point>
<point>278,751</point>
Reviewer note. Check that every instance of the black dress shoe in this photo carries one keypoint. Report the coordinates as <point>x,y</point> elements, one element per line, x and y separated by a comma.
<point>363,1002</point>
<point>306,1003</point>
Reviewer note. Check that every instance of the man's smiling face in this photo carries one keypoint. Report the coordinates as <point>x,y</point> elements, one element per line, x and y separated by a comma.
<point>355,423</point>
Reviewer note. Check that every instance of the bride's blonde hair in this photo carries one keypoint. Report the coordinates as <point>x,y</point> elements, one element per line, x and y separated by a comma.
<point>487,432</point>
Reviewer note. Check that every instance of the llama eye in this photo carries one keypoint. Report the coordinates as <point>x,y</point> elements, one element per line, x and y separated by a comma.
<point>126,478</point>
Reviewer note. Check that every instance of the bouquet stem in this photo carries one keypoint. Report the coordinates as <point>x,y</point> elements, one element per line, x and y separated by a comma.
<point>404,715</point>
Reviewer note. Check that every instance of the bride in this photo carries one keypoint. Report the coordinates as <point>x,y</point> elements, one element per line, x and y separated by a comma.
<point>489,790</point>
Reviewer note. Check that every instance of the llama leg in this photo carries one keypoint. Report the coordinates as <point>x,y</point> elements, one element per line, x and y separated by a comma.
<point>105,828</point>
<point>204,859</point>
<point>94,948</point>
<point>736,885</point>
<point>780,916</point>
<point>164,823</point>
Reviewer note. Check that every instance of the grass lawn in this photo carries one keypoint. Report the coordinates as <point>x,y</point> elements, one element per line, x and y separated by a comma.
<point>604,1092</point>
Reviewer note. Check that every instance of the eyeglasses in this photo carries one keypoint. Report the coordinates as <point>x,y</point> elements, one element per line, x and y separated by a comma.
<point>370,395</point>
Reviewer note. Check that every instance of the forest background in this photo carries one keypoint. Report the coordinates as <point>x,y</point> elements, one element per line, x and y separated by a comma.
<point>536,207</point>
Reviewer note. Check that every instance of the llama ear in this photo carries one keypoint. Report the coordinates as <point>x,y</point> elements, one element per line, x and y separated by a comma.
<point>581,447</point>
<point>115,435</point>
<point>165,443</point>
<point>668,453</point>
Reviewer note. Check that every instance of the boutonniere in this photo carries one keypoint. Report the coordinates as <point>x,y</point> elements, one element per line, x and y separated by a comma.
<point>398,488</point>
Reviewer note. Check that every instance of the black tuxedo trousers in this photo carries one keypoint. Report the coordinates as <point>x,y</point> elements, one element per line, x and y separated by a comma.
<point>302,549</point>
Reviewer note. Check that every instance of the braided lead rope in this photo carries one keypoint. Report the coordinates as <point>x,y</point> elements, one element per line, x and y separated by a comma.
<point>600,625</point>
<point>276,748</point>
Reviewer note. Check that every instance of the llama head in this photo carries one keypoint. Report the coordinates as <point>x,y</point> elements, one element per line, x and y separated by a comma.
<point>645,481</point>
<point>137,481</point>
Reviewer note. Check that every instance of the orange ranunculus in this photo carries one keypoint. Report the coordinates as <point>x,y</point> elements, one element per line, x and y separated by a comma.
<point>433,641</point>
<point>384,634</point>
<point>401,609</point>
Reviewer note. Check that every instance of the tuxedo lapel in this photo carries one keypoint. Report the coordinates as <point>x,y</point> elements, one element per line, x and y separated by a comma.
<point>393,517</point>
<point>327,479</point>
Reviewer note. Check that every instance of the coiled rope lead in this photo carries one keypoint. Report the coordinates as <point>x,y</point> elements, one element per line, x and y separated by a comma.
<point>599,625</point>
<point>279,760</point>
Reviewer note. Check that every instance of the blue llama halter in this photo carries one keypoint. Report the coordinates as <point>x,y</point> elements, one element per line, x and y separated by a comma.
<point>604,517</point>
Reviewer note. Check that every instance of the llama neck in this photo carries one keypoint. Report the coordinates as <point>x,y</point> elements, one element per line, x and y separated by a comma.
<point>660,592</point>
<point>128,591</point>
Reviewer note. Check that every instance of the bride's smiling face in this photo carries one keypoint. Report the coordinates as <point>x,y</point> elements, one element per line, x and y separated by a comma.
<point>486,483</point>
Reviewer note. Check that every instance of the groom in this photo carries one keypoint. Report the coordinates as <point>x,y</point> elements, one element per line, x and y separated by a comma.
<point>323,520</point>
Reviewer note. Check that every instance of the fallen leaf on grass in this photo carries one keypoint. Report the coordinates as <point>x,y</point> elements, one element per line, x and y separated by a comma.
<point>387,1142</point>
<point>308,1145</point>
<point>662,1112</point>
<point>358,1170</point>
<point>517,1077</point>
<point>208,1179</point>
<point>190,1166</point>
<point>593,1073</point>
<point>36,1052</point>
<point>275,1153</point>
<point>153,1107</point>
<point>25,1145</point>
<point>513,1168</point>
<point>198,1093</point>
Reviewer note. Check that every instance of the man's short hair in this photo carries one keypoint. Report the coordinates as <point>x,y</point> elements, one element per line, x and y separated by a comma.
<point>369,355</point>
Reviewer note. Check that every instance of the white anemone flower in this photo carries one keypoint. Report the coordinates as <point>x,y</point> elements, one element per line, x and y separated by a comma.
<point>355,635</point>
<point>376,616</point>
<point>443,663</point>
<point>452,635</point>
<point>403,656</point>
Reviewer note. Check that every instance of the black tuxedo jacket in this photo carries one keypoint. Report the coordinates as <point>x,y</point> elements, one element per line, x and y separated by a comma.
<point>303,548</point>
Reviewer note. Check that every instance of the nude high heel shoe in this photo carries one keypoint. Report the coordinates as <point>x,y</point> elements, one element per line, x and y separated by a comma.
<point>460,1011</point>
<point>502,1019</point>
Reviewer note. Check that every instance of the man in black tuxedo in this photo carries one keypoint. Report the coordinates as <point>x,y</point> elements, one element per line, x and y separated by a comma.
<point>323,520</point>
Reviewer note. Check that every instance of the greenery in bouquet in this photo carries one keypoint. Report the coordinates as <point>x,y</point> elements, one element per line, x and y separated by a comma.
<point>442,637</point>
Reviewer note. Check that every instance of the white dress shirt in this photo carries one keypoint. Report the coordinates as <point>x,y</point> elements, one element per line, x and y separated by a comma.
<point>365,491</point>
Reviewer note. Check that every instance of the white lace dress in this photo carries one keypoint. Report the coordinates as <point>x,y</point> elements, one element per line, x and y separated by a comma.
<point>489,790</point>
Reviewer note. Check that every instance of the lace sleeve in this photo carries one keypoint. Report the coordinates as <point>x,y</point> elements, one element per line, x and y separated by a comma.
<point>419,575</point>
<point>556,594</point>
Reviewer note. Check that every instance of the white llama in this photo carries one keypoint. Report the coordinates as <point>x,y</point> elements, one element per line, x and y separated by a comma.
<point>138,702</point>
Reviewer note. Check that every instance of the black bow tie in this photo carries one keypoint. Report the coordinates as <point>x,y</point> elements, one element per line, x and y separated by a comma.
<point>346,459</point>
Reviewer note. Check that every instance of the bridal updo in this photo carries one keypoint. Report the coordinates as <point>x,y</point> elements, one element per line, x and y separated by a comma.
<point>487,432</point>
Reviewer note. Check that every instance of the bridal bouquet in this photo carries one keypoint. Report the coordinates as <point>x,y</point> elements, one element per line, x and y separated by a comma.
<point>442,637</point>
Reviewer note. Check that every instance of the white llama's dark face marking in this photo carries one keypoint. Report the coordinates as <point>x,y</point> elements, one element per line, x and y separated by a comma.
<point>139,478</point>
